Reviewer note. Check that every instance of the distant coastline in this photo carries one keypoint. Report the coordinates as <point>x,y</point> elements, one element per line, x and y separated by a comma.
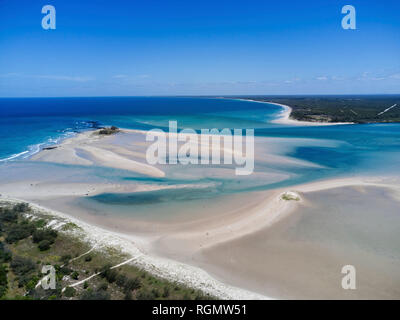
<point>231,239</point>
<point>285,117</point>
<point>334,109</point>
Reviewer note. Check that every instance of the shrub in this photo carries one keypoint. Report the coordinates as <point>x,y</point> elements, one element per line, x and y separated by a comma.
<point>95,295</point>
<point>132,284</point>
<point>69,226</point>
<point>21,207</point>
<point>88,258</point>
<point>41,294</point>
<point>144,295</point>
<point>31,284</point>
<point>200,296</point>
<point>7,215</point>
<point>19,232</point>
<point>44,245</point>
<point>24,269</point>
<point>3,276</point>
<point>103,286</point>
<point>65,258</point>
<point>104,269</point>
<point>3,291</point>
<point>155,293</point>
<point>21,266</point>
<point>23,280</point>
<point>75,275</point>
<point>85,285</point>
<point>69,292</point>
<point>121,280</point>
<point>40,223</point>
<point>5,254</point>
<point>65,270</point>
<point>44,234</point>
<point>109,274</point>
<point>108,131</point>
<point>165,293</point>
<point>128,296</point>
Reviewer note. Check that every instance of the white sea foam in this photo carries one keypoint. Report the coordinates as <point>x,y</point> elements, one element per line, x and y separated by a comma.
<point>14,156</point>
<point>36,148</point>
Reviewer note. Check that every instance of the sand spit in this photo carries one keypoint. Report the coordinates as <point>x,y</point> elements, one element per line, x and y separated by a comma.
<point>134,246</point>
<point>89,148</point>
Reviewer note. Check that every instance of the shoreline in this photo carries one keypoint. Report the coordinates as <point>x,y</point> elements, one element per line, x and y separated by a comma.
<point>168,253</point>
<point>264,215</point>
<point>35,149</point>
<point>277,204</point>
<point>284,119</point>
<point>51,141</point>
<point>129,244</point>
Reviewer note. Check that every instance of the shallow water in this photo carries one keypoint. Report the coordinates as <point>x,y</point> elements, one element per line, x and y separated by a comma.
<point>321,152</point>
<point>300,256</point>
<point>303,254</point>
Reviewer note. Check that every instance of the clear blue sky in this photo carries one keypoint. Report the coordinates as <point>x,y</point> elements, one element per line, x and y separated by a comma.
<point>198,48</point>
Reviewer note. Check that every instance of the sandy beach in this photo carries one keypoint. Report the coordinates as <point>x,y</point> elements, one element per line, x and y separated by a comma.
<point>226,249</point>
<point>199,151</point>
<point>303,253</point>
<point>286,120</point>
<point>84,150</point>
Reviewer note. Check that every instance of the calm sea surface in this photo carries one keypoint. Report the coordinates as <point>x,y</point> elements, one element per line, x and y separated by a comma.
<point>28,125</point>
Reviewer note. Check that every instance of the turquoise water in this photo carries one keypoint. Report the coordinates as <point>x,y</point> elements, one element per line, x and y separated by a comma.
<point>335,228</point>
<point>27,125</point>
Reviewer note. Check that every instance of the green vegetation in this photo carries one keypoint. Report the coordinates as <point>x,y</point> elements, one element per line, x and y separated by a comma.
<point>69,292</point>
<point>69,226</point>
<point>357,109</point>
<point>109,130</point>
<point>26,245</point>
<point>290,196</point>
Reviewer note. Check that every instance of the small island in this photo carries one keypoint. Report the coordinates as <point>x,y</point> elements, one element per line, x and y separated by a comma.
<point>109,130</point>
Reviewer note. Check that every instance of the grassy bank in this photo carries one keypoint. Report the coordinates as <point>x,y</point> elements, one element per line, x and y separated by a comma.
<point>30,240</point>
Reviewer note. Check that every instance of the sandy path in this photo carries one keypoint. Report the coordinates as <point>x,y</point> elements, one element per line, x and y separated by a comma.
<point>96,274</point>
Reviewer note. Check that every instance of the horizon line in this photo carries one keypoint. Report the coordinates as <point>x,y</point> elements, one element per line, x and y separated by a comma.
<point>208,96</point>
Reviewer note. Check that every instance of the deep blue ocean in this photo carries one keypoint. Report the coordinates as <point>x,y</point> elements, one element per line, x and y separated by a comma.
<point>29,124</point>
